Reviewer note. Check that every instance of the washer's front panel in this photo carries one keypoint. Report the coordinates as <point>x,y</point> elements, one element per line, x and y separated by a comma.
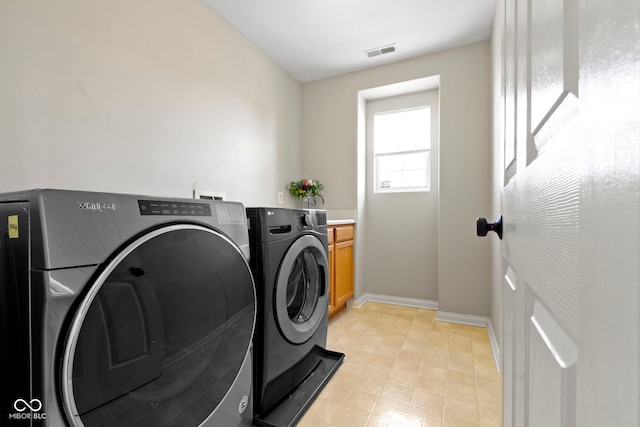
<point>163,334</point>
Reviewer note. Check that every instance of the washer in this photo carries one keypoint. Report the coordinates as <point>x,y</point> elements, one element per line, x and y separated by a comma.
<point>124,310</point>
<point>291,270</point>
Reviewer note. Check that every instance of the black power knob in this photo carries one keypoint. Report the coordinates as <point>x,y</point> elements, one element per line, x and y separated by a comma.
<point>306,220</point>
<point>483,227</point>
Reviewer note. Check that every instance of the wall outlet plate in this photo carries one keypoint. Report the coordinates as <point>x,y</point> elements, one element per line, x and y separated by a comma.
<point>280,197</point>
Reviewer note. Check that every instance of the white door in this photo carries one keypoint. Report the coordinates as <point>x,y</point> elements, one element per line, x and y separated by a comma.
<point>571,206</point>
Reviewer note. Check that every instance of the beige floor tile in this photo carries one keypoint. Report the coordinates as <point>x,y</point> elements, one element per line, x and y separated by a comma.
<point>489,417</point>
<point>405,378</point>
<point>369,347</point>
<point>462,410</point>
<point>369,385</point>
<point>398,392</point>
<point>432,385</point>
<point>460,392</point>
<point>413,345</point>
<point>393,413</point>
<point>456,422</point>
<point>406,365</point>
<point>382,361</point>
<point>461,361</point>
<point>433,360</point>
<point>392,340</point>
<point>438,341</point>
<point>485,369</point>
<point>458,345</point>
<point>427,399</point>
<point>403,368</point>
<point>390,351</point>
<point>410,355</point>
<point>361,400</point>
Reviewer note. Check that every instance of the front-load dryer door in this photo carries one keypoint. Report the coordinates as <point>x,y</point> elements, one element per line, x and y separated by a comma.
<point>162,334</point>
<point>301,294</point>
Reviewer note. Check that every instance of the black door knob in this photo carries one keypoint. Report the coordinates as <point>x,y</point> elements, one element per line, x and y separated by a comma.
<point>483,227</point>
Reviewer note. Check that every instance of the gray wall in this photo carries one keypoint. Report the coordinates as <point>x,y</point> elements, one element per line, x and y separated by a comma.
<point>329,148</point>
<point>152,97</point>
<point>142,96</point>
<point>402,228</point>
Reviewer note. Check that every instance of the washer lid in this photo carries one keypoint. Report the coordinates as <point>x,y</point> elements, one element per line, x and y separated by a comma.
<point>163,332</point>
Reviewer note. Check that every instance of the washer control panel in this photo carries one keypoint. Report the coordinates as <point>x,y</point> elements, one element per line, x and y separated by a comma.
<point>156,207</point>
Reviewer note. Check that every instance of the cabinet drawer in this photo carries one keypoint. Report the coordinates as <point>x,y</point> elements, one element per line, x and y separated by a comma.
<point>344,233</point>
<point>330,233</point>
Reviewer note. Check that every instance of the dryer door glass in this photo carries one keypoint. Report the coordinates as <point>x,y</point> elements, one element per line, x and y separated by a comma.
<point>304,287</point>
<point>162,334</point>
<point>301,296</point>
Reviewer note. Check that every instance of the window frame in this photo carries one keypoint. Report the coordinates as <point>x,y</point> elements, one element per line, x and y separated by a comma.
<point>377,188</point>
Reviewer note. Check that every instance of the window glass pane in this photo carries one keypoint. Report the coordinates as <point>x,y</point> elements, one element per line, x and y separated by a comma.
<point>402,130</point>
<point>415,178</point>
<point>414,161</point>
<point>391,162</point>
<point>390,179</point>
<point>403,170</point>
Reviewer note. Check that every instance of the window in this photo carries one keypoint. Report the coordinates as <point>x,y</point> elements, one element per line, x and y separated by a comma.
<point>402,150</point>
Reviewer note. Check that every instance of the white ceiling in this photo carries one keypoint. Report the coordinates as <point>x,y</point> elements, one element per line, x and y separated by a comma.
<point>316,39</point>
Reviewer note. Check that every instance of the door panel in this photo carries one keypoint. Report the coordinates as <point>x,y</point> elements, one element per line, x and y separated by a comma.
<point>571,207</point>
<point>541,208</point>
<point>509,71</point>
<point>554,70</point>
<point>610,259</point>
<point>508,351</point>
<point>551,369</point>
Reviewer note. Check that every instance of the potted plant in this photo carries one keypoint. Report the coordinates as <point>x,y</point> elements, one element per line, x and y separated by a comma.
<point>306,190</point>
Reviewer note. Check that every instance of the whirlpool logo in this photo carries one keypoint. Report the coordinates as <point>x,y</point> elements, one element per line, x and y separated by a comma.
<point>27,410</point>
<point>96,206</point>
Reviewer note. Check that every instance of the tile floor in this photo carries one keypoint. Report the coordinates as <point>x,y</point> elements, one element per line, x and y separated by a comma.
<point>403,368</point>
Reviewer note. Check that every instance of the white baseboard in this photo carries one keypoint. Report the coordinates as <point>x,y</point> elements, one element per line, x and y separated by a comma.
<point>386,299</point>
<point>494,345</point>
<point>463,319</point>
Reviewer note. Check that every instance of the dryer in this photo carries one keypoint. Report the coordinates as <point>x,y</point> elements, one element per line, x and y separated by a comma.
<point>291,270</point>
<point>124,310</point>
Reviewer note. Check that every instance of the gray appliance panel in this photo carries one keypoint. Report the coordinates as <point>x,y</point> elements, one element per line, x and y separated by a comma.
<point>84,228</point>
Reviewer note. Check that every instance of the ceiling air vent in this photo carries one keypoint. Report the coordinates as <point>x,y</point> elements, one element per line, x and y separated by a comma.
<point>381,50</point>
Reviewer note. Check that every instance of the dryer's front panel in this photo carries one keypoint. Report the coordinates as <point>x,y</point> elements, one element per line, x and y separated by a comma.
<point>161,336</point>
<point>301,294</point>
<point>15,347</point>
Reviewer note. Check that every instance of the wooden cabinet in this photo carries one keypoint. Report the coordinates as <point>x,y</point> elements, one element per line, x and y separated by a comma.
<point>340,266</point>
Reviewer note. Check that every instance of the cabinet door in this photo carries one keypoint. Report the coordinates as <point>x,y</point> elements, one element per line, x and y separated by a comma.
<point>343,272</point>
<point>332,281</point>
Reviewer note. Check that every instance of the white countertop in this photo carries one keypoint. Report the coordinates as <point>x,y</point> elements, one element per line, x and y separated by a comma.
<point>340,221</point>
